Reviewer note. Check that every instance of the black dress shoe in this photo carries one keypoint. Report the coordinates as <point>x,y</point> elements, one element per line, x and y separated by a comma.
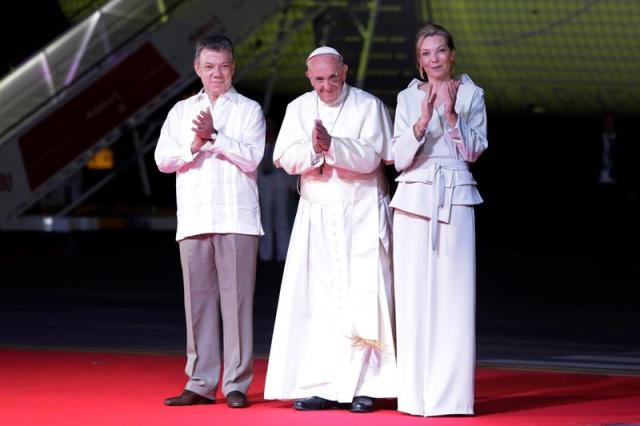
<point>187,398</point>
<point>362,404</point>
<point>314,403</point>
<point>236,399</point>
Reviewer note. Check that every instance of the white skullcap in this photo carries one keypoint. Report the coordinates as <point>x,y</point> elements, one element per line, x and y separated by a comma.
<point>323,50</point>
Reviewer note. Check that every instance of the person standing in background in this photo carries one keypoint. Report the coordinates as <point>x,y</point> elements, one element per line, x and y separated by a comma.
<point>275,188</point>
<point>611,196</point>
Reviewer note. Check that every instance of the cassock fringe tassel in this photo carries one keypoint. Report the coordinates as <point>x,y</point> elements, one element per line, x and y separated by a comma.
<point>363,343</point>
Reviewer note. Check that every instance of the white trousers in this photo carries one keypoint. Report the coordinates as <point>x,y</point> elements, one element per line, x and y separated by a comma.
<point>435,313</point>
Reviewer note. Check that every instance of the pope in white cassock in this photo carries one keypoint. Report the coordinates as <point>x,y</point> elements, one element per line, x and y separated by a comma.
<point>333,336</point>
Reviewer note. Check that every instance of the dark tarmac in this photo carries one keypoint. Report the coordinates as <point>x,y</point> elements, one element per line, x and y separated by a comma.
<point>122,291</point>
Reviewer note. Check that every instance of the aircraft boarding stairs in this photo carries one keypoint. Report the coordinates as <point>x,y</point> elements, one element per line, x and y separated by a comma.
<point>105,75</point>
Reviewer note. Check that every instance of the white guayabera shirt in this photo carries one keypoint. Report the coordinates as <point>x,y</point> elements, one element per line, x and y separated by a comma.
<point>216,187</point>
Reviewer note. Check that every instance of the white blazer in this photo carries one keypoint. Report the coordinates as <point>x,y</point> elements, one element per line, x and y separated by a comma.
<point>435,173</point>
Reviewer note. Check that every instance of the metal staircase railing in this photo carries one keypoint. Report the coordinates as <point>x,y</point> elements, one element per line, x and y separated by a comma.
<point>49,76</point>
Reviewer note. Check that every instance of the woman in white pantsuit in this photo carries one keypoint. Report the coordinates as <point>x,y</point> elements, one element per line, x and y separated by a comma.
<point>440,127</point>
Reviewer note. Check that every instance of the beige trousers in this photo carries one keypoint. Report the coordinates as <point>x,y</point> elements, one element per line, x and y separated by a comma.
<point>219,273</point>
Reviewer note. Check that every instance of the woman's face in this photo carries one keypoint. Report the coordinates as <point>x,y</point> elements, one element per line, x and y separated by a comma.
<point>436,58</point>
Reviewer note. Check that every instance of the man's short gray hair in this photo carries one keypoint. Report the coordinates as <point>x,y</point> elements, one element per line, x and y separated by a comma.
<point>216,42</point>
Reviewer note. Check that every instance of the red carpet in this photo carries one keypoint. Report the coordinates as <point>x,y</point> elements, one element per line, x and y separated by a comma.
<point>80,388</point>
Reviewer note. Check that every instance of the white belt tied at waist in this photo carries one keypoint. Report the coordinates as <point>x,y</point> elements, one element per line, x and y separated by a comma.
<point>438,186</point>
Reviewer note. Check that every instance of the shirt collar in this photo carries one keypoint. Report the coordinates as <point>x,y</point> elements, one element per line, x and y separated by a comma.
<point>230,95</point>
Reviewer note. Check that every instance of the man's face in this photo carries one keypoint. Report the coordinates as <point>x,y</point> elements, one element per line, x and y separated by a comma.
<point>215,69</point>
<point>327,76</point>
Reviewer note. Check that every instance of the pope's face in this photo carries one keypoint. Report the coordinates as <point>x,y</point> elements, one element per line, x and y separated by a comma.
<point>436,58</point>
<point>215,69</point>
<point>327,76</point>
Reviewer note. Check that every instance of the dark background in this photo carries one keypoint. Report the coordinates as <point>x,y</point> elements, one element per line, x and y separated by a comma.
<point>26,26</point>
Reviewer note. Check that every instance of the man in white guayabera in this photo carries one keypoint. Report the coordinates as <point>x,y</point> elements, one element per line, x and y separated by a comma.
<point>213,142</point>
